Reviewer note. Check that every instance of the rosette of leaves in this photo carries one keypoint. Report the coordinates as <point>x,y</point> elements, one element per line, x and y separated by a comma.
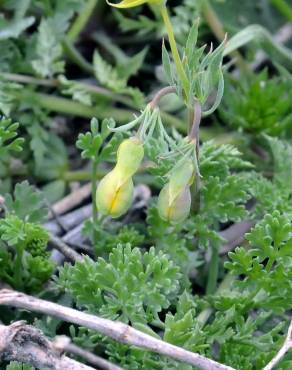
<point>131,286</point>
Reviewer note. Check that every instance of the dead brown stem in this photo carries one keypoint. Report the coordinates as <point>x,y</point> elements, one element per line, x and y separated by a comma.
<point>27,344</point>
<point>72,200</point>
<point>113,329</point>
<point>64,344</point>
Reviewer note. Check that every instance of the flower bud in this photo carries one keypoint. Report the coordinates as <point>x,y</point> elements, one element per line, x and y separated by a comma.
<point>129,156</point>
<point>176,210</point>
<point>113,195</point>
<point>174,201</point>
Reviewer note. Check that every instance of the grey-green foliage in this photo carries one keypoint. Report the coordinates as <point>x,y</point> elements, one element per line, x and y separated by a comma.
<point>267,265</point>
<point>131,286</point>
<point>48,52</point>
<point>203,72</point>
<point>224,191</point>
<point>249,320</point>
<point>116,77</point>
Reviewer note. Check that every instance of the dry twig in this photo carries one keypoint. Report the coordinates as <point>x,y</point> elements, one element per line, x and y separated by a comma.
<point>285,348</point>
<point>65,249</point>
<point>113,329</point>
<point>70,220</point>
<point>27,344</point>
<point>234,235</point>
<point>72,200</point>
<point>64,344</point>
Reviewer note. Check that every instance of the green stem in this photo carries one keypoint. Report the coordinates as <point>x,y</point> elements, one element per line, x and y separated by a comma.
<point>97,91</point>
<point>284,8</point>
<point>74,55</point>
<point>72,108</point>
<point>79,175</point>
<point>18,267</point>
<point>225,284</point>
<point>175,54</point>
<point>81,20</point>
<point>93,197</point>
<point>270,264</point>
<point>213,271</point>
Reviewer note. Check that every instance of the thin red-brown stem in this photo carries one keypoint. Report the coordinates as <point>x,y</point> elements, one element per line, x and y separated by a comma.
<point>160,94</point>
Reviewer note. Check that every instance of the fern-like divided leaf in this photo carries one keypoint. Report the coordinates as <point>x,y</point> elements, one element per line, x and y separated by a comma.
<point>48,51</point>
<point>266,265</point>
<point>28,244</point>
<point>27,204</point>
<point>9,142</point>
<point>91,143</point>
<point>132,286</point>
<point>116,78</point>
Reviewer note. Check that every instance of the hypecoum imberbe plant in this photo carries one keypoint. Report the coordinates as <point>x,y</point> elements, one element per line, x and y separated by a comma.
<point>190,236</point>
<point>200,187</point>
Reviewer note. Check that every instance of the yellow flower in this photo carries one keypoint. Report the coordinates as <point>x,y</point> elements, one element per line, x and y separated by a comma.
<point>178,209</point>
<point>174,200</point>
<point>132,3</point>
<point>114,193</point>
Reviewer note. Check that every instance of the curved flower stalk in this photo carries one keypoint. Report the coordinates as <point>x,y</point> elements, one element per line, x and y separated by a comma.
<point>114,193</point>
<point>174,201</point>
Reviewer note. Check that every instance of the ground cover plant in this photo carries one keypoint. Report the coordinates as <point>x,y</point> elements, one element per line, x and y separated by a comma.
<point>145,184</point>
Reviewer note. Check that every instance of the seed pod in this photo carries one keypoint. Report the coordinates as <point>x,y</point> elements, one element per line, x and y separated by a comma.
<point>129,156</point>
<point>113,195</point>
<point>174,201</point>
